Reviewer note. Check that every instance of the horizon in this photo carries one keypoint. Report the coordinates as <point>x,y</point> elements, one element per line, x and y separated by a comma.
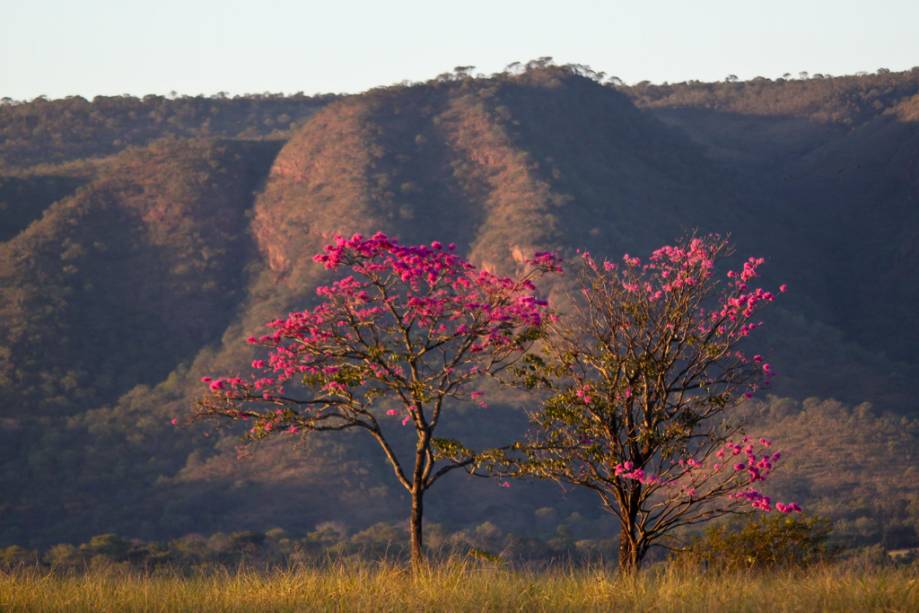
<point>175,95</point>
<point>234,47</point>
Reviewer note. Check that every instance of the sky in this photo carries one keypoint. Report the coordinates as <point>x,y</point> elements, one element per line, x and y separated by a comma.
<point>58,48</point>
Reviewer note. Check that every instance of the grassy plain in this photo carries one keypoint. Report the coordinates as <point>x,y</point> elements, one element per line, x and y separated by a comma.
<point>461,587</point>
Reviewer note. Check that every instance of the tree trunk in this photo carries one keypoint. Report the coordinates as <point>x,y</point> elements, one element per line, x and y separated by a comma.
<point>415,528</point>
<point>417,492</point>
<point>629,557</point>
<point>631,542</point>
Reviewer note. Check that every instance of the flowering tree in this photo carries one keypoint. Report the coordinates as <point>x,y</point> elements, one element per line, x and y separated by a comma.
<point>641,375</point>
<point>409,330</point>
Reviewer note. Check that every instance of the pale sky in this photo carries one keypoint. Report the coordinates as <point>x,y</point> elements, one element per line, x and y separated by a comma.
<point>88,47</point>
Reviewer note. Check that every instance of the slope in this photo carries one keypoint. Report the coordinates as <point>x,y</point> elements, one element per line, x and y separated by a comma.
<point>190,265</point>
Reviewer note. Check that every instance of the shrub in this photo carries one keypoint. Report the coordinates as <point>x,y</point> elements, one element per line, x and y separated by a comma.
<point>765,541</point>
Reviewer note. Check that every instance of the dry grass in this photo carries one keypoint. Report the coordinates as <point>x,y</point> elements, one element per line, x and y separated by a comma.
<point>461,587</point>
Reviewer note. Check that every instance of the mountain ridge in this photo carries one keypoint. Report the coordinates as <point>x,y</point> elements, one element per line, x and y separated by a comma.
<point>210,238</point>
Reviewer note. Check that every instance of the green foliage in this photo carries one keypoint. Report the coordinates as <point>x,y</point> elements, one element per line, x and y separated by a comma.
<point>108,545</point>
<point>762,542</point>
<point>557,542</point>
<point>63,556</point>
<point>15,556</point>
<point>447,448</point>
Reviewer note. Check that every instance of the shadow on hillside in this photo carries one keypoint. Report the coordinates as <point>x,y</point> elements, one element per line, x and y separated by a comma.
<point>24,199</point>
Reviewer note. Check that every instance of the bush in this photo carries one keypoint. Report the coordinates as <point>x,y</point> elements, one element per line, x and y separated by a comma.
<point>767,541</point>
<point>15,556</point>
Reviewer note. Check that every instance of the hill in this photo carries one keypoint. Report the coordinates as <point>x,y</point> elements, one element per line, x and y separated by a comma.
<point>128,275</point>
<point>54,131</point>
<point>837,156</point>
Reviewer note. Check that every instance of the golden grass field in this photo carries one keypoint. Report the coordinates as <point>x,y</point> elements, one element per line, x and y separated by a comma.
<point>462,587</point>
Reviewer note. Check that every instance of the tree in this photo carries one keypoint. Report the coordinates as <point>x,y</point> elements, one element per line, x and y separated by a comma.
<point>539,63</point>
<point>463,72</point>
<point>408,333</point>
<point>640,377</point>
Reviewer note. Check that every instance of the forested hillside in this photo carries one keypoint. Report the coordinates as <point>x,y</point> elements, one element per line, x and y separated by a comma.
<point>53,131</point>
<point>142,240</point>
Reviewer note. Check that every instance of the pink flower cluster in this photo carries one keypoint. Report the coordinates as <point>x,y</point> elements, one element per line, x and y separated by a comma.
<point>627,470</point>
<point>671,272</point>
<point>546,261</point>
<point>408,314</point>
<point>583,393</point>
<point>695,479</point>
<point>396,303</point>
